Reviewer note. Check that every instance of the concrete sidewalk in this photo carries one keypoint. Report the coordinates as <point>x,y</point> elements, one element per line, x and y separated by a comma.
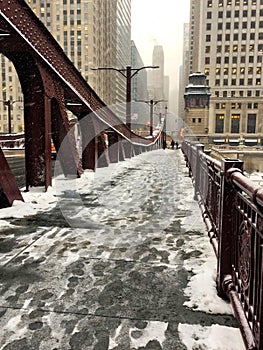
<point>85,288</point>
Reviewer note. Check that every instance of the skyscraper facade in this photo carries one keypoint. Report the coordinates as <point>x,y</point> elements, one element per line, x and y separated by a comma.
<point>139,92</point>
<point>226,43</point>
<point>156,86</point>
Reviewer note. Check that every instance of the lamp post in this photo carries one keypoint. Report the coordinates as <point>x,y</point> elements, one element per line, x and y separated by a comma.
<point>151,103</point>
<point>128,73</point>
<point>8,104</point>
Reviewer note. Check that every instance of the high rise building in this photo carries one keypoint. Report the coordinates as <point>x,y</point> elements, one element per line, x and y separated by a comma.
<point>158,74</point>
<point>93,33</point>
<point>226,44</point>
<point>140,111</point>
<point>184,73</point>
<point>156,86</point>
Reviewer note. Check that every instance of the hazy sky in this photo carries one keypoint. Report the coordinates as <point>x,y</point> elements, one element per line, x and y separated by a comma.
<point>160,22</point>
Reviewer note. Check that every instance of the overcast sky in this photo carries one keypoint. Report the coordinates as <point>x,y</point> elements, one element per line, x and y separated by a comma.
<point>160,22</point>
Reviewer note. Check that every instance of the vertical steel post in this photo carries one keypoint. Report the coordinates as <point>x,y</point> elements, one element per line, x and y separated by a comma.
<point>226,244</point>
<point>8,104</point>
<point>197,177</point>
<point>128,96</point>
<point>48,160</point>
<point>151,117</point>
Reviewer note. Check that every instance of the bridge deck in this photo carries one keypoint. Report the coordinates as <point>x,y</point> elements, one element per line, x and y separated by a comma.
<point>111,265</point>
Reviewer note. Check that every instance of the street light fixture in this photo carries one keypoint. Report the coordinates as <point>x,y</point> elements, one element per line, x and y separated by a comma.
<point>151,103</point>
<point>128,73</point>
<point>9,103</point>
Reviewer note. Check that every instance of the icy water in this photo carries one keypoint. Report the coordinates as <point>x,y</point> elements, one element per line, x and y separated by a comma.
<point>112,265</point>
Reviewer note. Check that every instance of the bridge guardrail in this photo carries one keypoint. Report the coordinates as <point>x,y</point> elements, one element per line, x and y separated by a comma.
<point>232,209</point>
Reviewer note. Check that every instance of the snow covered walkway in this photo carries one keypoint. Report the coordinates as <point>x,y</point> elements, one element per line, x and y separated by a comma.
<point>118,259</point>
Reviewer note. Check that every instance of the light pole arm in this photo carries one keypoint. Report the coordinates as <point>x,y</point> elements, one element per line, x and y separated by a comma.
<point>138,69</point>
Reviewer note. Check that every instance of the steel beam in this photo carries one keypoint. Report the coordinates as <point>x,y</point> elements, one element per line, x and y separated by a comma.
<point>9,188</point>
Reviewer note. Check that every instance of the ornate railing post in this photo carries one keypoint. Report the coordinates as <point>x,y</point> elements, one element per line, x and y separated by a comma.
<point>226,244</point>
<point>197,170</point>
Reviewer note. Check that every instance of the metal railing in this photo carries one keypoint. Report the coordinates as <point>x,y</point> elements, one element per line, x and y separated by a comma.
<point>232,209</point>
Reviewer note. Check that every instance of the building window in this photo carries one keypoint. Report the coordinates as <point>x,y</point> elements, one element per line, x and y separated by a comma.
<point>209,15</point>
<point>220,118</point>
<point>218,60</point>
<point>207,60</point>
<point>224,93</point>
<point>235,123</point>
<point>208,26</point>
<point>208,37</point>
<point>251,123</point>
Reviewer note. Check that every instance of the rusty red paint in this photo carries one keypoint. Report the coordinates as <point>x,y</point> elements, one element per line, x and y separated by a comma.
<point>8,183</point>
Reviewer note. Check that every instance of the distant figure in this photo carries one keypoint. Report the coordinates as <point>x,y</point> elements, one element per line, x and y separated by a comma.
<point>176,144</point>
<point>172,144</point>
